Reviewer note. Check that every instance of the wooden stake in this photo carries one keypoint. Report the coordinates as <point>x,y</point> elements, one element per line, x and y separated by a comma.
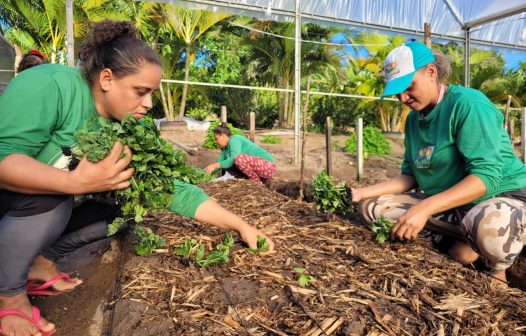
<point>328,145</point>
<point>223,114</point>
<point>359,149</point>
<point>304,140</point>
<point>252,122</point>
<point>427,34</point>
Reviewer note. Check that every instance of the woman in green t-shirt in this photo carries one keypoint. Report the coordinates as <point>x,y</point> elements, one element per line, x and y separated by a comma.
<point>41,110</point>
<point>458,154</point>
<point>242,156</point>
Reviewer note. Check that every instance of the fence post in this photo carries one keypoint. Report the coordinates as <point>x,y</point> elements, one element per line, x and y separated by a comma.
<point>223,113</point>
<point>252,126</point>
<point>359,149</point>
<point>328,128</point>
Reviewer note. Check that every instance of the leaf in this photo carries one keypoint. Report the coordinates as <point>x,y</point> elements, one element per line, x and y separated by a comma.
<point>382,228</point>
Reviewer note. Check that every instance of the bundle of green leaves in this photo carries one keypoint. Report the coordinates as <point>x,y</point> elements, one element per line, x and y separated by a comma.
<point>155,161</point>
<point>382,228</point>
<point>210,141</point>
<point>329,197</point>
<point>374,142</point>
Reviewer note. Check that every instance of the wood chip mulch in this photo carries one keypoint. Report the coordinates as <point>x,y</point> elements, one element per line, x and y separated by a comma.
<point>360,287</point>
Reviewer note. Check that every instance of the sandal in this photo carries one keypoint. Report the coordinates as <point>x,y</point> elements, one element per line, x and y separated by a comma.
<point>35,319</point>
<point>37,288</point>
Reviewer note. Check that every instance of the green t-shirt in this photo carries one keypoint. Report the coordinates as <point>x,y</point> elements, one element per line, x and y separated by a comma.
<point>238,144</point>
<point>462,135</point>
<point>41,110</point>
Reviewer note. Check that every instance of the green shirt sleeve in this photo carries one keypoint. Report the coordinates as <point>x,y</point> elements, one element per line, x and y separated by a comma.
<point>187,198</point>
<point>478,135</point>
<point>28,120</point>
<point>233,149</point>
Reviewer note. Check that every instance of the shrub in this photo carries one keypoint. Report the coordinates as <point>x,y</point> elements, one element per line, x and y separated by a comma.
<point>198,113</point>
<point>374,142</point>
<point>270,139</point>
<point>329,197</point>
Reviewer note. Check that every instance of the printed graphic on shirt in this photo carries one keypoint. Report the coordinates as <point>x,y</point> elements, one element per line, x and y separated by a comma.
<point>423,159</point>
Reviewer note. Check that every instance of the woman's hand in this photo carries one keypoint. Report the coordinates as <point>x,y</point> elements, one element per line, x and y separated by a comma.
<point>410,224</point>
<point>110,173</point>
<point>356,194</point>
<point>211,167</point>
<point>250,235</point>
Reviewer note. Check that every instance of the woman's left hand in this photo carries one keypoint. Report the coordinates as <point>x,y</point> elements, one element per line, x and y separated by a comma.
<point>410,224</point>
<point>250,235</point>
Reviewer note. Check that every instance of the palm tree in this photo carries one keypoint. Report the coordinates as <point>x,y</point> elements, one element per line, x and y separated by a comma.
<point>366,78</point>
<point>42,23</point>
<point>189,26</point>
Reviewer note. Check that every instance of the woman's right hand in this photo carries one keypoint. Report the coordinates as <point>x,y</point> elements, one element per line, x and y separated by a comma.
<point>110,173</point>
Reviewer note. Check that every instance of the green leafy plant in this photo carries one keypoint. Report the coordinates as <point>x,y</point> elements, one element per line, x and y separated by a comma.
<point>210,141</point>
<point>329,197</point>
<point>219,255</point>
<point>271,139</point>
<point>374,142</point>
<point>148,241</point>
<point>155,161</point>
<point>382,228</point>
<point>304,279</point>
<point>262,246</point>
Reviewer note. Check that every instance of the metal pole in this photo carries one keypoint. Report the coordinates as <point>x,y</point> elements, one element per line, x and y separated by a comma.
<point>297,83</point>
<point>466,59</point>
<point>70,41</point>
<point>359,149</point>
<point>523,134</point>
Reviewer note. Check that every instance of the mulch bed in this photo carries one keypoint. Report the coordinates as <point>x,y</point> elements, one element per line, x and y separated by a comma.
<point>360,287</point>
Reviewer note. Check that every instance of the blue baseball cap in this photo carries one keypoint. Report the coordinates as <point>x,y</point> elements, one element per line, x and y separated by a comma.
<point>402,63</point>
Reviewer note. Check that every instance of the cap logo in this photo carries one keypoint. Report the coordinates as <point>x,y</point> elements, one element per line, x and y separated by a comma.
<point>391,69</point>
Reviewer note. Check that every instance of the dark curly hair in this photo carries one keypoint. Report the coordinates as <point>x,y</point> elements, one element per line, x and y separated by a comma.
<point>222,129</point>
<point>31,59</point>
<point>114,45</point>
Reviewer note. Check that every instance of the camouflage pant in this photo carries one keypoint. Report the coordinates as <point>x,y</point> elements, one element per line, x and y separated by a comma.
<point>495,228</point>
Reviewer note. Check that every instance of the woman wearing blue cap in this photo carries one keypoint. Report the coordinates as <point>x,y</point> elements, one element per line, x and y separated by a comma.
<point>459,155</point>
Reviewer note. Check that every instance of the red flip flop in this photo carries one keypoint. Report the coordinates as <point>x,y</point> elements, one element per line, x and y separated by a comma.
<point>35,319</point>
<point>37,288</point>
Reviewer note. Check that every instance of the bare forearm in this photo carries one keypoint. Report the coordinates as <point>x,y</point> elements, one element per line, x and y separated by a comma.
<point>23,174</point>
<point>212,213</point>
<point>396,185</point>
<point>464,192</point>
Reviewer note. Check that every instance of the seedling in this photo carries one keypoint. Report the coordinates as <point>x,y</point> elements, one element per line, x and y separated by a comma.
<point>185,250</point>
<point>218,256</point>
<point>148,241</point>
<point>304,279</point>
<point>262,246</point>
<point>382,228</point>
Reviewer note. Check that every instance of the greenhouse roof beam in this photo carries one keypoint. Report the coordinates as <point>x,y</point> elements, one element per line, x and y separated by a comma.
<point>496,16</point>
<point>455,11</point>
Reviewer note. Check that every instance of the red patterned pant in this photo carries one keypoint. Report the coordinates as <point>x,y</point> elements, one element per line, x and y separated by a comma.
<point>255,168</point>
